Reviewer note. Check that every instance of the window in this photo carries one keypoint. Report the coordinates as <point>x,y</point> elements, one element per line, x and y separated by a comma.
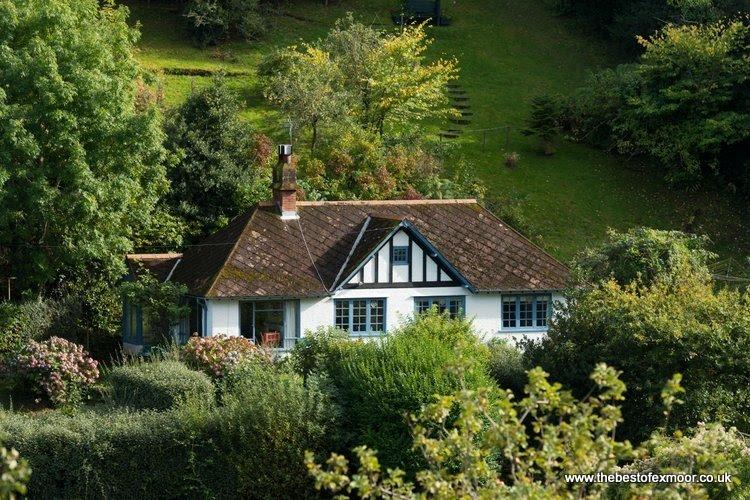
<point>400,256</point>
<point>525,311</point>
<point>455,306</point>
<point>360,316</point>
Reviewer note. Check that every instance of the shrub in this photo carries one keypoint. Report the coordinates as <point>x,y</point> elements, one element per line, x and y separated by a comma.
<point>268,419</point>
<point>14,474</point>
<point>121,454</point>
<point>650,333</point>
<point>218,354</point>
<point>506,366</point>
<point>57,368</point>
<point>157,385</point>
<point>311,353</point>
<point>646,256</point>
<point>20,323</point>
<point>378,383</point>
<point>707,449</point>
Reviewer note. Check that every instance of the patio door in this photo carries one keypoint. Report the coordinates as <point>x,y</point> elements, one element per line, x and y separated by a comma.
<point>263,321</point>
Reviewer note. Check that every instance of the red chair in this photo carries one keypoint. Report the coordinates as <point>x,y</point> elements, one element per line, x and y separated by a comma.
<point>270,339</point>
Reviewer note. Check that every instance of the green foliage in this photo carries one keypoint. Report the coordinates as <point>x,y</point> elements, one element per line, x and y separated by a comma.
<point>20,323</point>
<point>156,385</point>
<point>506,366</point>
<point>161,302</point>
<point>80,167</point>
<point>217,175</point>
<point>538,439</point>
<point>650,332</point>
<point>707,449</point>
<point>645,256</point>
<point>544,121</point>
<point>684,103</point>
<point>211,21</point>
<point>382,81</point>
<point>14,474</point>
<point>267,421</point>
<point>624,20</point>
<point>377,383</point>
<point>311,352</point>
<point>365,96</point>
<point>121,454</point>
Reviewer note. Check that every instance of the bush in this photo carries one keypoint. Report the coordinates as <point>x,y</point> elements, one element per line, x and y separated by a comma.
<point>210,21</point>
<point>121,454</point>
<point>650,333</point>
<point>268,420</point>
<point>157,385</point>
<point>20,323</point>
<point>219,354</point>
<point>57,368</point>
<point>506,366</point>
<point>378,383</point>
<point>14,474</point>
<point>707,449</point>
<point>310,353</point>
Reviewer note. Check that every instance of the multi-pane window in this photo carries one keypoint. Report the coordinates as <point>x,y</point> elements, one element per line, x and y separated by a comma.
<point>400,255</point>
<point>509,312</point>
<point>454,305</point>
<point>360,316</point>
<point>525,311</point>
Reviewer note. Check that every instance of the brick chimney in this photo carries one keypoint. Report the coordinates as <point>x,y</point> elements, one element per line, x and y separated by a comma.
<point>285,184</point>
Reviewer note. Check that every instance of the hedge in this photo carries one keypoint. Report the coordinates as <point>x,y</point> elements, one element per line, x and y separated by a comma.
<point>156,385</point>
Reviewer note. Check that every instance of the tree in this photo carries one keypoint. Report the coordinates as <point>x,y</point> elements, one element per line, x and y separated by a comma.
<point>645,256</point>
<point>80,167</point>
<point>653,313</point>
<point>382,80</point>
<point>306,85</point>
<point>544,122</point>
<point>684,103</point>
<point>218,173</point>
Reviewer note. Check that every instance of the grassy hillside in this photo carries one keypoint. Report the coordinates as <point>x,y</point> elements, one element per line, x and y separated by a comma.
<point>508,51</point>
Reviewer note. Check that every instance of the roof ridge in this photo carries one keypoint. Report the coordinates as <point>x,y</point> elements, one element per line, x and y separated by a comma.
<point>231,252</point>
<point>449,201</point>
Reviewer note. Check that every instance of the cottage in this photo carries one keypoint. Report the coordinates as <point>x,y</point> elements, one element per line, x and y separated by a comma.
<point>286,267</point>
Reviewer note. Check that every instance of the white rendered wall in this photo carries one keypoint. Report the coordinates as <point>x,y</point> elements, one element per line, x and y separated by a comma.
<point>483,309</point>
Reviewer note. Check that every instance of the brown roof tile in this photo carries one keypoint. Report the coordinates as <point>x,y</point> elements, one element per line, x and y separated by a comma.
<point>259,254</point>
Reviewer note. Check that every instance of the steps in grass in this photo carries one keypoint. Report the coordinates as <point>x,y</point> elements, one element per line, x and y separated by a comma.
<point>460,98</point>
<point>461,107</point>
<point>459,121</point>
<point>449,135</point>
<point>467,113</point>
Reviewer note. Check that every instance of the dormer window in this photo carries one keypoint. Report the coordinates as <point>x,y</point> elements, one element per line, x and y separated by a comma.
<point>400,256</point>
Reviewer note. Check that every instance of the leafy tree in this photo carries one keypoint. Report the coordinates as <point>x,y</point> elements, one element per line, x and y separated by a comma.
<point>80,167</point>
<point>210,21</point>
<point>384,79</point>
<point>650,331</point>
<point>544,122</point>
<point>161,302</point>
<point>645,256</point>
<point>306,85</point>
<point>684,103</point>
<point>218,173</point>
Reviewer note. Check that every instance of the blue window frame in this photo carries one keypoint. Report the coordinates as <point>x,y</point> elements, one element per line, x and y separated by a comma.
<point>456,306</point>
<point>360,316</point>
<point>525,312</point>
<point>400,256</point>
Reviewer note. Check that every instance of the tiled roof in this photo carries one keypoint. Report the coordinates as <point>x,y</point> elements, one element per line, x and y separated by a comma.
<point>260,255</point>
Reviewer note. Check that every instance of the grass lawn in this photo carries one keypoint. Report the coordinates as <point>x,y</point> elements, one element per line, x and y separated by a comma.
<point>508,51</point>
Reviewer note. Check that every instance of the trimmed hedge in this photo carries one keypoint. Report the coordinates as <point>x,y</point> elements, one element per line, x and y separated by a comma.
<point>121,454</point>
<point>157,385</point>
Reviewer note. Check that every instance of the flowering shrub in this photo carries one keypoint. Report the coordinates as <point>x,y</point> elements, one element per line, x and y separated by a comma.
<point>58,368</point>
<point>218,354</point>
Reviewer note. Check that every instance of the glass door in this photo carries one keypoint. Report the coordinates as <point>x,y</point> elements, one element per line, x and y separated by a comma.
<point>263,321</point>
